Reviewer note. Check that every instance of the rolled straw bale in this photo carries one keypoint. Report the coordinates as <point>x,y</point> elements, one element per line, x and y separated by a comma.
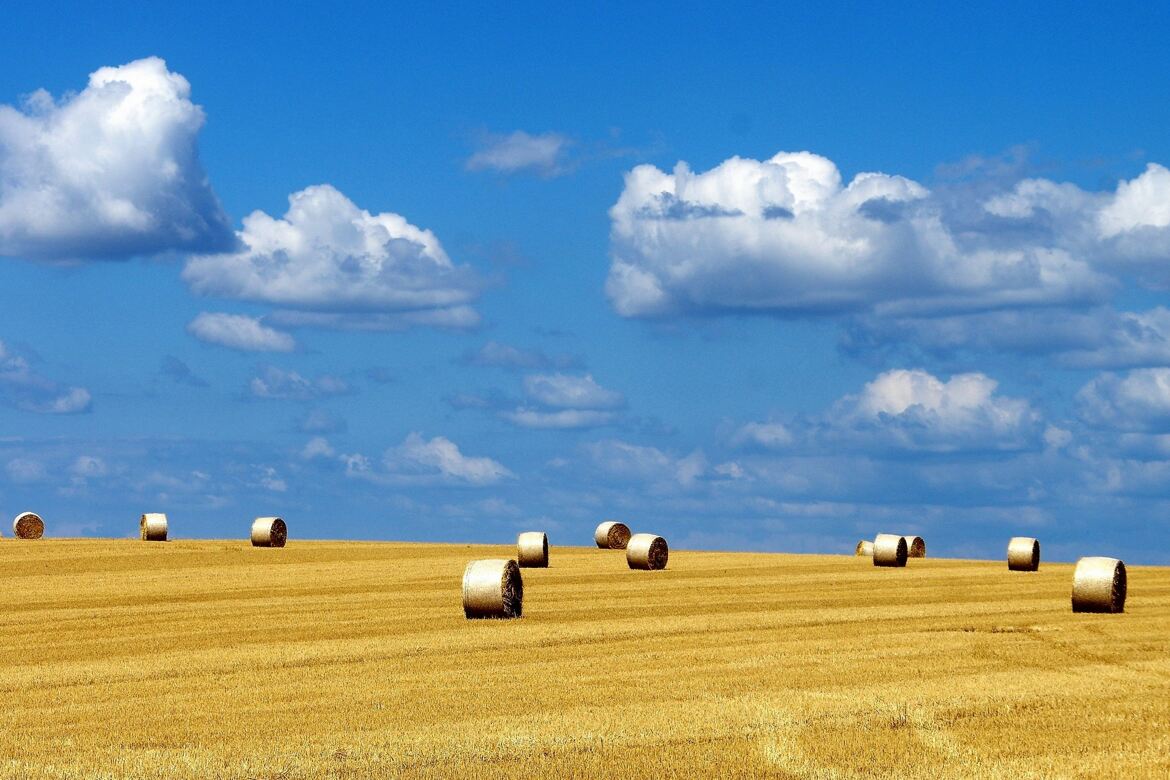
<point>153,527</point>
<point>28,525</point>
<point>915,547</point>
<point>889,550</point>
<point>865,548</point>
<point>612,535</point>
<point>1099,585</point>
<point>532,550</point>
<point>269,532</point>
<point>1023,554</point>
<point>647,551</point>
<point>492,588</point>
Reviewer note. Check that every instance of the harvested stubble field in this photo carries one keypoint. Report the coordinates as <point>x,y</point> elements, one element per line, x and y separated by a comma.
<point>353,660</point>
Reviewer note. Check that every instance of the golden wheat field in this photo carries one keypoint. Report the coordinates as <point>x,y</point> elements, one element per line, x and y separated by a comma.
<point>199,659</point>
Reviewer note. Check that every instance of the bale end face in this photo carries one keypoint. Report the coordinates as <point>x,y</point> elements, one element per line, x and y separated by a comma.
<point>1099,585</point>
<point>269,532</point>
<point>532,550</point>
<point>492,588</point>
<point>612,535</point>
<point>915,547</point>
<point>1023,554</point>
<point>864,548</point>
<point>153,527</point>
<point>28,525</point>
<point>647,551</point>
<point>889,550</point>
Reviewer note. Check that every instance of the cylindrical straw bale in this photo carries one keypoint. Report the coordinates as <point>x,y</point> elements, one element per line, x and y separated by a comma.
<point>865,548</point>
<point>28,525</point>
<point>492,588</point>
<point>1023,554</point>
<point>269,532</point>
<point>889,550</point>
<point>915,547</point>
<point>612,535</point>
<point>647,551</point>
<point>1099,585</point>
<point>532,550</point>
<point>153,527</point>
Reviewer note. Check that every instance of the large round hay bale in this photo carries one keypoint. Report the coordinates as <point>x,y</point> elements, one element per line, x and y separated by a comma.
<point>889,550</point>
<point>1099,585</point>
<point>915,547</point>
<point>864,548</point>
<point>28,525</point>
<point>153,527</point>
<point>647,551</point>
<point>269,532</point>
<point>612,535</point>
<point>1023,554</point>
<point>492,588</point>
<point>532,550</point>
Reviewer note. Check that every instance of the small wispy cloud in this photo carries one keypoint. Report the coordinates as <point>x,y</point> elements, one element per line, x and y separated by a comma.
<point>236,331</point>
<point>543,154</point>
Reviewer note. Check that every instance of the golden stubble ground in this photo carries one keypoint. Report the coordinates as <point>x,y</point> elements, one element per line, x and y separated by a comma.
<point>352,660</point>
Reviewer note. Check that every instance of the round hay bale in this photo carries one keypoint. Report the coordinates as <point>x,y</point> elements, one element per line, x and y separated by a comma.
<point>28,525</point>
<point>1099,585</point>
<point>269,532</point>
<point>492,588</point>
<point>864,548</point>
<point>153,527</point>
<point>532,550</point>
<point>915,547</point>
<point>889,550</point>
<point>647,551</point>
<point>612,535</point>
<point>1023,554</point>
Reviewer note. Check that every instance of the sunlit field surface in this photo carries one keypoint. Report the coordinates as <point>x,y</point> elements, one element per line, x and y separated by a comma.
<point>352,660</point>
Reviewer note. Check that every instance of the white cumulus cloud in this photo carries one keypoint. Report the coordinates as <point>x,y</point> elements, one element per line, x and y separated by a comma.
<point>110,172</point>
<point>236,331</point>
<point>332,264</point>
<point>787,235</point>
<point>568,391</point>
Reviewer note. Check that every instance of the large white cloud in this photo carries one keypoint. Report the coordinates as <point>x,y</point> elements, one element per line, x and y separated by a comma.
<point>337,265</point>
<point>237,331</point>
<point>786,235</point>
<point>110,172</point>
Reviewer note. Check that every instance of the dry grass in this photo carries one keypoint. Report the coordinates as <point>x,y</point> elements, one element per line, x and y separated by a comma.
<point>123,659</point>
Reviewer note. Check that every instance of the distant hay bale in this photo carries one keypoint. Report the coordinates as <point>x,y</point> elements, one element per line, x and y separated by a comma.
<point>532,550</point>
<point>915,547</point>
<point>1023,554</point>
<point>612,535</point>
<point>492,588</point>
<point>269,532</point>
<point>889,550</point>
<point>865,548</point>
<point>28,525</point>
<point>153,527</point>
<point>647,551</point>
<point>1099,585</point>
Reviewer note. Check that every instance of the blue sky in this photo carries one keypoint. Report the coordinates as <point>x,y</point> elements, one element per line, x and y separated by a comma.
<point>771,278</point>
